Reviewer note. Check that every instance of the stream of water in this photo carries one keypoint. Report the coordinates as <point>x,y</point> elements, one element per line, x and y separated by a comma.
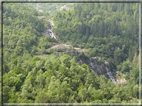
<point>107,67</point>
<point>49,31</point>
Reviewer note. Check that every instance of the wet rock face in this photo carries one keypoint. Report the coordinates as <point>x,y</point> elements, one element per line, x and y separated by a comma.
<point>101,68</point>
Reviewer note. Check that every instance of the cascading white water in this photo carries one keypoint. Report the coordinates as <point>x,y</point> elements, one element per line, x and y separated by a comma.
<point>92,65</point>
<point>49,31</point>
<point>51,34</point>
<point>51,23</point>
<point>109,72</point>
<point>111,77</point>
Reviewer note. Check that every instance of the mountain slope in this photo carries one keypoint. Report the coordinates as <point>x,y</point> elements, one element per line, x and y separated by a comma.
<point>34,73</point>
<point>110,30</point>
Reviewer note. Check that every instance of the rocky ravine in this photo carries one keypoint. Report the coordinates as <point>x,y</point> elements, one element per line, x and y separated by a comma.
<point>101,68</point>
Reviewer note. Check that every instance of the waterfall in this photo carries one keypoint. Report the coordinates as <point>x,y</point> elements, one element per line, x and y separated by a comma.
<point>107,67</point>
<point>92,65</point>
<point>51,34</point>
<point>49,31</point>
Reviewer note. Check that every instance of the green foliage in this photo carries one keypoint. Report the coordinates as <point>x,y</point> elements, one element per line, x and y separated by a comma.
<point>60,82</point>
<point>99,26</point>
<point>32,73</point>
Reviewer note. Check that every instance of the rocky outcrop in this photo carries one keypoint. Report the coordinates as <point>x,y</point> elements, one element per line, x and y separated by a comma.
<point>101,67</point>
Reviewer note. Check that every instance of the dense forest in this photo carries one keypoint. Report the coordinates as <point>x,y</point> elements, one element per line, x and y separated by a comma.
<point>35,70</point>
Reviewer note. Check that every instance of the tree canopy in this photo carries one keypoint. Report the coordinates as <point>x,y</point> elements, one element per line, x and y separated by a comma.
<point>33,72</point>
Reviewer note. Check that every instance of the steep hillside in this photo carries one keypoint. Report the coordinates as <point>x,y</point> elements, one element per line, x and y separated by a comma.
<point>109,30</point>
<point>81,55</point>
